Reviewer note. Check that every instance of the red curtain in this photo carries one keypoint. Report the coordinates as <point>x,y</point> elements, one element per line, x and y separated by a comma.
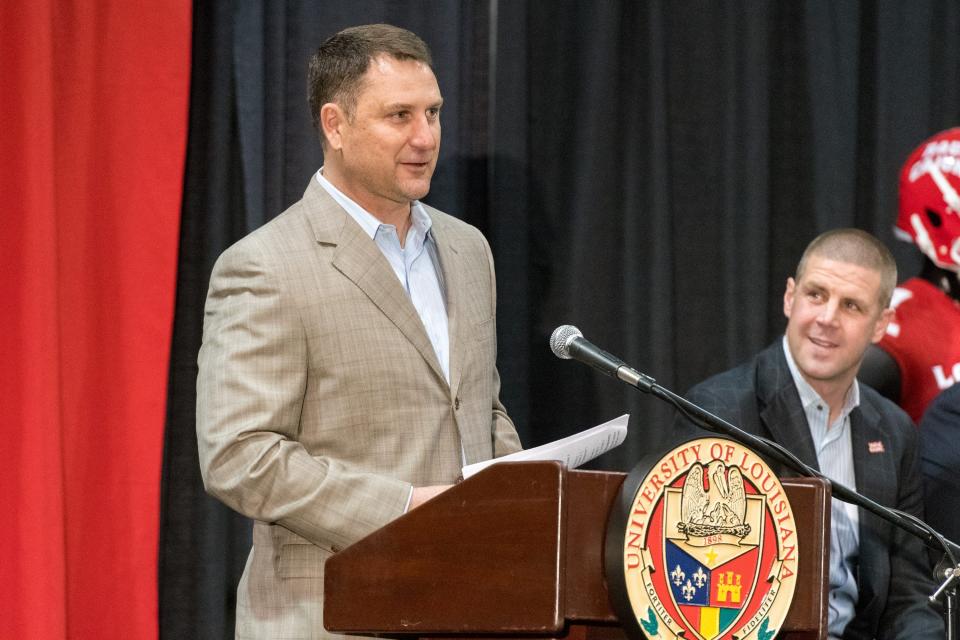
<point>93,121</point>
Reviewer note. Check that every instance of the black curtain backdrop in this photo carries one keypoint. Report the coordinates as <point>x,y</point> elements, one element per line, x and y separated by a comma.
<point>647,171</point>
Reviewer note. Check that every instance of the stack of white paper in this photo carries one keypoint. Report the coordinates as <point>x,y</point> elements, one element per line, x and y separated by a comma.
<point>573,450</point>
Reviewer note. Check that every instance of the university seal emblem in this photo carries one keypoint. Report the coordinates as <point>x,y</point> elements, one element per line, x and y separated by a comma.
<point>703,545</point>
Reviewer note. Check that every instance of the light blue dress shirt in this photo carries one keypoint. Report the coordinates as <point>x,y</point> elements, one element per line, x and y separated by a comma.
<point>835,457</point>
<point>416,265</point>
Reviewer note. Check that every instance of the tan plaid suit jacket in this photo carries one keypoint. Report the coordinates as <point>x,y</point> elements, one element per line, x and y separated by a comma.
<point>320,400</point>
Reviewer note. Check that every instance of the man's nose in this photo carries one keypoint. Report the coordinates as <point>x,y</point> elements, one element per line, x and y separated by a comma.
<point>828,312</point>
<point>423,135</point>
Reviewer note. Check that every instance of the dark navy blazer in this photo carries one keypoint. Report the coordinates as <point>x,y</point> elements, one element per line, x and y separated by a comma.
<point>893,575</point>
<point>940,462</point>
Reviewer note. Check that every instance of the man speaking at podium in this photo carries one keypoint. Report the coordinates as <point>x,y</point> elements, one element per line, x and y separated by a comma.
<point>803,393</point>
<point>348,363</point>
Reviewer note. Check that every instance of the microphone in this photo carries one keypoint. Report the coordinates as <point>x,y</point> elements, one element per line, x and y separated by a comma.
<point>568,342</point>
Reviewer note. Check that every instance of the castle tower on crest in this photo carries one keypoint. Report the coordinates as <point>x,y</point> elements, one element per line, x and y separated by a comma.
<point>728,587</point>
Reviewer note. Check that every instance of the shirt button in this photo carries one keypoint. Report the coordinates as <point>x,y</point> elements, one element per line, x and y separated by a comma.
<point>456,403</point>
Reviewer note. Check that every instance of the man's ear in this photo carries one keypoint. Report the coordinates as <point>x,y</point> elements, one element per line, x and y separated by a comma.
<point>886,317</point>
<point>332,120</point>
<point>788,297</point>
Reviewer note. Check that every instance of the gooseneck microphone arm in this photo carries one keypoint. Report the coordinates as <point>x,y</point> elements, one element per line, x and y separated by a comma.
<point>567,342</point>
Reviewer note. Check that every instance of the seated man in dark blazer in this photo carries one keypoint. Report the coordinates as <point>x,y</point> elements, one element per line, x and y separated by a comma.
<point>802,392</point>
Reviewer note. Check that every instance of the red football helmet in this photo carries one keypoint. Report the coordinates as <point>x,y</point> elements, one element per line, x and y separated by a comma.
<point>930,199</point>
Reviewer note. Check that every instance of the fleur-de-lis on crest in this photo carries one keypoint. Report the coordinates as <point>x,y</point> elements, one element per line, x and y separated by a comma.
<point>678,576</point>
<point>688,591</point>
<point>700,578</point>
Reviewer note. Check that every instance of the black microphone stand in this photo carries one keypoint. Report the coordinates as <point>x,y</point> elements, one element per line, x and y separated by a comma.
<point>947,572</point>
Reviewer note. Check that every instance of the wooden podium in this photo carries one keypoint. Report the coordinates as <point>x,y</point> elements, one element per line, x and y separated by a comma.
<point>517,550</point>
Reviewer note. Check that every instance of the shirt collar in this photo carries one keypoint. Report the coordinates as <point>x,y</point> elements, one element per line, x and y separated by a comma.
<point>420,226</point>
<point>420,221</point>
<point>809,396</point>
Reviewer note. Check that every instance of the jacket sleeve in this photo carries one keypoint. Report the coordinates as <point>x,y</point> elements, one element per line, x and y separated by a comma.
<point>504,433</point>
<point>250,390</point>
<point>939,460</point>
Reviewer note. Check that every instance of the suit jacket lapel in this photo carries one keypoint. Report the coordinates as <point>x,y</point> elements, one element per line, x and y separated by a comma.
<point>358,258</point>
<point>873,462</point>
<point>781,411</point>
<point>453,277</point>
<point>875,472</point>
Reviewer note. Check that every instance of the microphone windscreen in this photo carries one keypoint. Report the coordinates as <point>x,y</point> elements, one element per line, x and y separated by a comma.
<point>560,340</point>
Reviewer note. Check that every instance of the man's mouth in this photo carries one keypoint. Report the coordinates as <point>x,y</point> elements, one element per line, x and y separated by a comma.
<point>820,342</point>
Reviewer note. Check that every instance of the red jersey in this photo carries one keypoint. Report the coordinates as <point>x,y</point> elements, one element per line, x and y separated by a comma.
<point>924,339</point>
